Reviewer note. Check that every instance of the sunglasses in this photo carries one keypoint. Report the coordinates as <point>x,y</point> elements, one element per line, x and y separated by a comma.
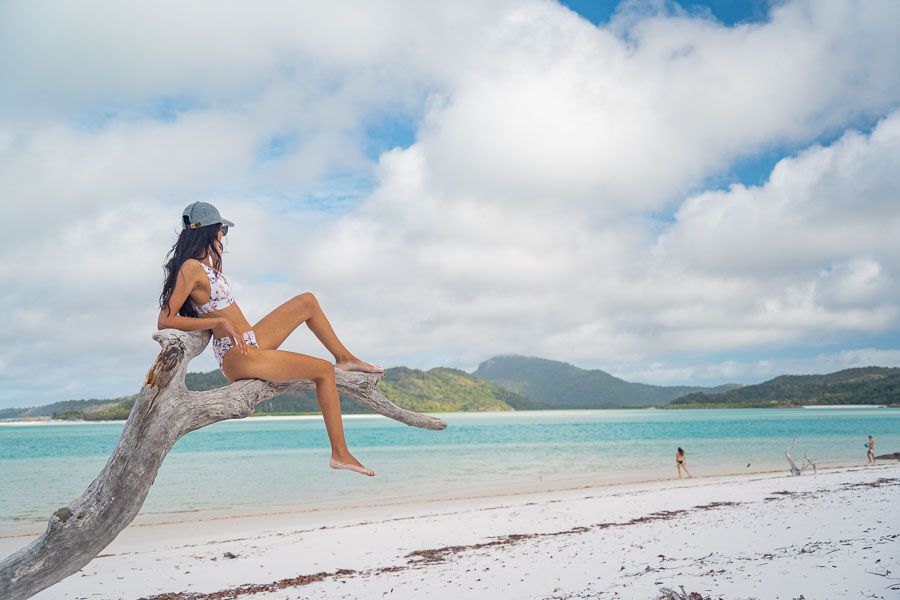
<point>224,230</point>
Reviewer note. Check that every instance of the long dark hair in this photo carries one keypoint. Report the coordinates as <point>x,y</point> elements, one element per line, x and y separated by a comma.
<point>680,451</point>
<point>191,243</point>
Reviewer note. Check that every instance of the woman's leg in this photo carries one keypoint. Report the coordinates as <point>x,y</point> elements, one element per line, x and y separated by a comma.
<point>274,328</point>
<point>281,366</point>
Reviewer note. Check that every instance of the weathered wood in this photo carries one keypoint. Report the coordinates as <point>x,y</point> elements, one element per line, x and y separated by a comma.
<point>164,411</point>
<point>807,461</point>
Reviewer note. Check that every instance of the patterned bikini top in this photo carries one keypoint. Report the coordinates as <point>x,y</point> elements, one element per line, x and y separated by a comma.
<point>220,294</point>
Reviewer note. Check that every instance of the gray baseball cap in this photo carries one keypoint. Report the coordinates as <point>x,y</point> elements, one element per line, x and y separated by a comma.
<point>199,214</point>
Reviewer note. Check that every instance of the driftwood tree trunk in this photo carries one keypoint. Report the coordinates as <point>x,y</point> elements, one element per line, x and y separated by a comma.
<point>165,410</point>
<point>807,461</point>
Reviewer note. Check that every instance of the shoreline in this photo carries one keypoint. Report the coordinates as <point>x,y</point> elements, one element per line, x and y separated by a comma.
<point>265,417</point>
<point>472,493</point>
<point>629,539</point>
<point>244,420</point>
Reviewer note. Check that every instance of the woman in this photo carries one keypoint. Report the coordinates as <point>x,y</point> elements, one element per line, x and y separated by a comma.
<point>680,463</point>
<point>196,295</point>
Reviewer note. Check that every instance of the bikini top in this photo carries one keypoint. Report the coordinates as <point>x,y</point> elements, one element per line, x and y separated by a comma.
<point>220,294</point>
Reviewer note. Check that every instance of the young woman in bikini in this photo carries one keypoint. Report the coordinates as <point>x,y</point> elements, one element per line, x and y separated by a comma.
<point>196,295</point>
<point>680,463</point>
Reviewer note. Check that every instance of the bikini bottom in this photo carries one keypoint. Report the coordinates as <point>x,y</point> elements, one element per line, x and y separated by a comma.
<point>224,344</point>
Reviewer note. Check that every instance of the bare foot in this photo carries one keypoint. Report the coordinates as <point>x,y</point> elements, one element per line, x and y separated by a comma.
<point>354,364</point>
<point>351,464</point>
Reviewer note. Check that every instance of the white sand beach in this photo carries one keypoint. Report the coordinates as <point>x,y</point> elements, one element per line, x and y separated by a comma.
<point>767,536</point>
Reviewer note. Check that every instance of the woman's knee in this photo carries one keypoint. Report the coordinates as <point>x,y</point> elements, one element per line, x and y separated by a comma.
<point>307,302</point>
<point>322,371</point>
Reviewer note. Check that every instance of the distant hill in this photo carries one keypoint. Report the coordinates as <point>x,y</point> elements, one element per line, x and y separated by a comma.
<point>436,390</point>
<point>442,389</point>
<point>561,385</point>
<point>528,383</point>
<point>58,408</point>
<point>868,385</point>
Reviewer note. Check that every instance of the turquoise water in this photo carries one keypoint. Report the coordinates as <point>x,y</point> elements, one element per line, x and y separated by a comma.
<point>259,465</point>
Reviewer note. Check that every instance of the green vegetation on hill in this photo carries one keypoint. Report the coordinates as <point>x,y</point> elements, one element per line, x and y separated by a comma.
<point>51,410</point>
<point>200,382</point>
<point>869,385</point>
<point>111,410</point>
<point>436,390</point>
<point>442,389</point>
<point>561,385</point>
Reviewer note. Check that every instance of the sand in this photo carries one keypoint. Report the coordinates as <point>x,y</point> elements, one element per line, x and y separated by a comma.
<point>767,536</point>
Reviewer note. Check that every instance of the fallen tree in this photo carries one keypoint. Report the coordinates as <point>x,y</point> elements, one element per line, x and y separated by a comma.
<point>164,411</point>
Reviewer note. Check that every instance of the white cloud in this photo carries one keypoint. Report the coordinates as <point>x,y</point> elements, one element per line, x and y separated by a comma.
<point>806,258</point>
<point>522,219</point>
<point>558,111</point>
<point>815,247</point>
<point>64,56</point>
<point>840,200</point>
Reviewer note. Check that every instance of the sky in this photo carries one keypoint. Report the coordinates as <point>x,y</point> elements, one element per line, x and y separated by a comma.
<point>693,193</point>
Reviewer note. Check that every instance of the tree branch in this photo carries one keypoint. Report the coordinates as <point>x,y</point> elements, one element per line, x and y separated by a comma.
<point>164,411</point>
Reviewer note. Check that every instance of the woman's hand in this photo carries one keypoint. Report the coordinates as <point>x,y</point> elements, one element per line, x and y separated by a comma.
<point>236,338</point>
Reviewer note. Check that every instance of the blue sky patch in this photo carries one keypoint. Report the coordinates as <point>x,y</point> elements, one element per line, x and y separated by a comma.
<point>389,132</point>
<point>728,12</point>
<point>755,169</point>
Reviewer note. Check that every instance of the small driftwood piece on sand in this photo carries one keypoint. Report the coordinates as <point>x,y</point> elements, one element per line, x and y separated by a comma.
<point>807,462</point>
<point>670,594</point>
<point>164,411</point>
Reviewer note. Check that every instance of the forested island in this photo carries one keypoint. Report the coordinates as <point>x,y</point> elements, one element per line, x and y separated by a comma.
<point>509,383</point>
<point>863,386</point>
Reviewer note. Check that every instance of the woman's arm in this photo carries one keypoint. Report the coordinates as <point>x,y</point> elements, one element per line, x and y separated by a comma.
<point>187,323</point>
<point>185,282</point>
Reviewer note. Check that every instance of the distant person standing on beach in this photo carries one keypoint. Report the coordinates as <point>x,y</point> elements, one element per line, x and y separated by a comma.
<point>870,453</point>
<point>680,464</point>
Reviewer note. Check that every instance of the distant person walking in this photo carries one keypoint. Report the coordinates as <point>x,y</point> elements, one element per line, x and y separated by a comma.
<point>870,453</point>
<point>680,463</point>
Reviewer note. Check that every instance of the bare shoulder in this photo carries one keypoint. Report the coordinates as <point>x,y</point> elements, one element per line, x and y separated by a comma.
<point>192,270</point>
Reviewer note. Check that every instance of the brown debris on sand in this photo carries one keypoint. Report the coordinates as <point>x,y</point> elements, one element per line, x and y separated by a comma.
<point>441,554</point>
<point>252,588</point>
